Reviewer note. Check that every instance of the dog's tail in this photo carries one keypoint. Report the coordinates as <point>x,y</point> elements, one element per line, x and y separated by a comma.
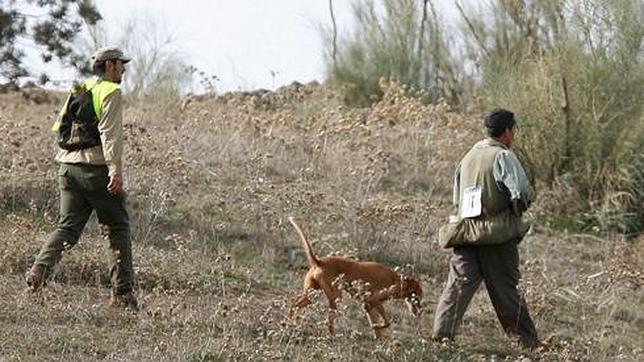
<point>313,260</point>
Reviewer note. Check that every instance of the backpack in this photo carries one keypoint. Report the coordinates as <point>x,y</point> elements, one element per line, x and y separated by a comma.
<point>497,229</point>
<point>77,124</point>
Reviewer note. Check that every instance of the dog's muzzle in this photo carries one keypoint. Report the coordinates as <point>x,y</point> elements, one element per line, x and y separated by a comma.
<point>413,304</point>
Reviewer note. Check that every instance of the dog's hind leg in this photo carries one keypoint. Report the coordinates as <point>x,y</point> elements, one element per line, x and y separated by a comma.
<point>332,294</point>
<point>381,310</point>
<point>372,317</point>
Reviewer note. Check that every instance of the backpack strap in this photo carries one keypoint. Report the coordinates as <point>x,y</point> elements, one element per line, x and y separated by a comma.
<point>105,88</point>
<point>102,89</point>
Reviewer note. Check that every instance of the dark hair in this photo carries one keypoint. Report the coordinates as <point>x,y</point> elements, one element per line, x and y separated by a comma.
<point>498,121</point>
<point>98,67</point>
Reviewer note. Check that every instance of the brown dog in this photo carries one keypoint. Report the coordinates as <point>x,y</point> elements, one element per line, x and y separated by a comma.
<point>382,284</point>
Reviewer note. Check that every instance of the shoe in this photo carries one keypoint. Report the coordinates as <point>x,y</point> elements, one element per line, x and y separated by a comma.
<point>441,338</point>
<point>125,301</point>
<point>35,277</point>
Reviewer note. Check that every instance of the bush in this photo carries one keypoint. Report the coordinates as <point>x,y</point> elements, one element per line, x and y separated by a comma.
<point>571,70</point>
<point>157,68</point>
<point>395,40</point>
<point>577,97</point>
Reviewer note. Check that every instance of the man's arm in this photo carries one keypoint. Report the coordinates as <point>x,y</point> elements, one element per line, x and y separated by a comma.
<point>110,127</point>
<point>508,170</point>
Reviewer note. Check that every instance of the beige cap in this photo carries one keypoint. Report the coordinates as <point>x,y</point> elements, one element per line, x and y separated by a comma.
<point>109,53</point>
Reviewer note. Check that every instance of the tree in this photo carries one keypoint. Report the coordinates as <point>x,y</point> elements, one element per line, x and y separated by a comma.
<point>393,39</point>
<point>157,68</point>
<point>573,71</point>
<point>51,31</point>
<point>334,36</point>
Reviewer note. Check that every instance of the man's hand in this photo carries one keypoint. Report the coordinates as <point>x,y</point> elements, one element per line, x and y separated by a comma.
<point>116,184</point>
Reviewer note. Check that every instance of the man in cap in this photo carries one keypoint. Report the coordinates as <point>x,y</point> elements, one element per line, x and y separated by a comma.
<point>90,178</point>
<point>490,186</point>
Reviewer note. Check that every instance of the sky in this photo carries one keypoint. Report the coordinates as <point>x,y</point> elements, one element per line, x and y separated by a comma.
<point>247,44</point>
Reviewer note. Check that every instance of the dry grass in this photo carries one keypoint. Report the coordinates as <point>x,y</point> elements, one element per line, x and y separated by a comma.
<point>211,183</point>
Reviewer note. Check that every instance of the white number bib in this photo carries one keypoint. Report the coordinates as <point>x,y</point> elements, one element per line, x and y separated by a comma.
<point>471,202</point>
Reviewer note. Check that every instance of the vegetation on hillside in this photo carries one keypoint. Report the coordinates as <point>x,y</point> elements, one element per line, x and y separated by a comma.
<point>211,183</point>
<point>572,71</point>
<point>212,179</point>
<point>157,69</point>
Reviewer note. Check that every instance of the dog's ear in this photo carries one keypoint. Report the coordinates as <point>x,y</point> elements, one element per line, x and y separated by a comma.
<point>412,285</point>
<point>409,280</point>
<point>407,283</point>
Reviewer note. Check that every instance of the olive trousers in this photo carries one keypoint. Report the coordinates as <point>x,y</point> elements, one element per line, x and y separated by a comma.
<point>498,267</point>
<point>83,189</point>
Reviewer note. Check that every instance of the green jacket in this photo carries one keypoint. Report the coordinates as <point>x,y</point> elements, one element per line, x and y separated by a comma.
<point>108,107</point>
<point>492,176</point>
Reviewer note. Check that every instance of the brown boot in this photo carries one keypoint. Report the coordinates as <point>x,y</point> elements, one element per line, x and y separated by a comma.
<point>125,301</point>
<point>35,277</point>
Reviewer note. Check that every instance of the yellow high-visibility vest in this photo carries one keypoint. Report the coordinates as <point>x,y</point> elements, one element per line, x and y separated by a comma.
<point>101,89</point>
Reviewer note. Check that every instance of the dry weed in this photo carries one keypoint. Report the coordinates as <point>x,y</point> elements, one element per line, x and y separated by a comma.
<point>210,185</point>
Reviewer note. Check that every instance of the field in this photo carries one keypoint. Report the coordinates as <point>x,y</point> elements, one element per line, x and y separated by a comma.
<point>211,182</point>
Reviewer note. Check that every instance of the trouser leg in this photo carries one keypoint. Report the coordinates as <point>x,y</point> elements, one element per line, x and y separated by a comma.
<point>463,280</point>
<point>74,213</point>
<point>121,271</point>
<point>111,212</point>
<point>500,265</point>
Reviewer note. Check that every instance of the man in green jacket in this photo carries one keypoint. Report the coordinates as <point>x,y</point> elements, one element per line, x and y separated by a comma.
<point>90,178</point>
<point>489,182</point>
